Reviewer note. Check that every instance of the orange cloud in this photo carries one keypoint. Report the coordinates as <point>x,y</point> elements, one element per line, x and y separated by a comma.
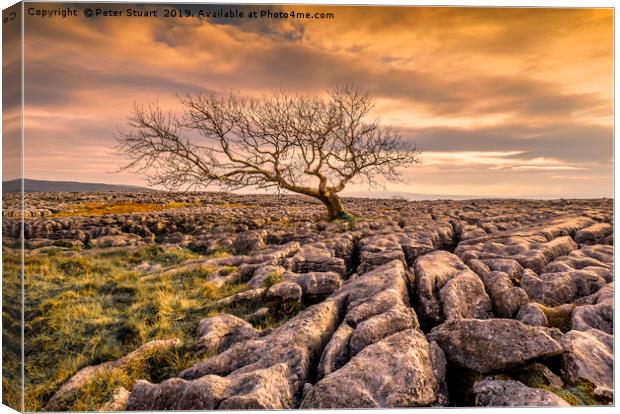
<point>532,85</point>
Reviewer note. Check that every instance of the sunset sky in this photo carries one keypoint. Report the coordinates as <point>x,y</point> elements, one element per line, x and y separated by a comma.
<point>503,102</point>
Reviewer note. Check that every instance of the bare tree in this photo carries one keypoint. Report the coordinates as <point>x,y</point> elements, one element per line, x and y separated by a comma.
<point>307,145</point>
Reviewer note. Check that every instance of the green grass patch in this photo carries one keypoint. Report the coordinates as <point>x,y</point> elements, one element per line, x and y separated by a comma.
<point>272,278</point>
<point>346,217</point>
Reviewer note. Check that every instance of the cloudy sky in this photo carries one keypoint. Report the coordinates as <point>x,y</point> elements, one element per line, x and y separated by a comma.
<point>503,102</point>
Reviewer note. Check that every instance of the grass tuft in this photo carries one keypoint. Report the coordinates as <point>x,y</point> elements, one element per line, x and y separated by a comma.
<point>272,278</point>
<point>345,217</point>
<point>559,316</point>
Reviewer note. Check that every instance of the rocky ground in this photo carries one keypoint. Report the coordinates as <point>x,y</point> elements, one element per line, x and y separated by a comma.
<point>429,303</point>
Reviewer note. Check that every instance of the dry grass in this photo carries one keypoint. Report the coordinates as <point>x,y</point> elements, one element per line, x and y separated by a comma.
<point>100,208</point>
<point>236,205</point>
<point>11,330</point>
<point>559,316</point>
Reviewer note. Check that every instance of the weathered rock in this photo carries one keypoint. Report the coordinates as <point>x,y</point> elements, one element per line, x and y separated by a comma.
<point>509,266</point>
<point>284,292</point>
<point>605,294</point>
<point>593,234</point>
<point>554,289</point>
<point>266,372</point>
<point>440,364</point>
<point>595,311</point>
<point>375,328</point>
<point>278,368</point>
<point>317,257</point>
<point>492,344</point>
<point>221,331</point>
<point>258,314</point>
<point>463,298</point>
<point>597,259</point>
<point>378,250</point>
<point>297,345</point>
<point>421,239</point>
<point>532,251</point>
<point>375,308</point>
<point>250,241</point>
<point>336,353</point>
<point>118,402</point>
<point>375,292</point>
<point>600,316</point>
<point>259,389</point>
<point>506,298</point>
<point>492,392</point>
<point>246,296</point>
<point>531,314</point>
<point>590,357</point>
<point>316,286</point>
<point>394,372</point>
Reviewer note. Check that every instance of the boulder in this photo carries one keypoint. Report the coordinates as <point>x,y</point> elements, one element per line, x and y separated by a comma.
<point>375,328</point>
<point>465,297</point>
<point>531,314</point>
<point>493,344</point>
<point>316,286</point>
<point>397,371</point>
<point>600,317</point>
<point>595,311</point>
<point>292,350</point>
<point>284,292</point>
<point>438,299</point>
<point>121,240</point>
<point>590,356</point>
<point>597,259</point>
<point>249,241</point>
<point>376,306</point>
<point>221,331</point>
<point>316,257</point>
<point>498,276</point>
<point>266,388</point>
<point>492,392</point>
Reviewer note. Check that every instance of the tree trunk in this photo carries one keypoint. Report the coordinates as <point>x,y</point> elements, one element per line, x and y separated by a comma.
<point>333,204</point>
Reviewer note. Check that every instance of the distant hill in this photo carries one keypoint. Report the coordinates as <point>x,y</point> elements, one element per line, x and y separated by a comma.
<point>37,186</point>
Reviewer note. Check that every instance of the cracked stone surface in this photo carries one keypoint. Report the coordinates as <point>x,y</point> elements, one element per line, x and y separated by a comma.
<point>392,307</point>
